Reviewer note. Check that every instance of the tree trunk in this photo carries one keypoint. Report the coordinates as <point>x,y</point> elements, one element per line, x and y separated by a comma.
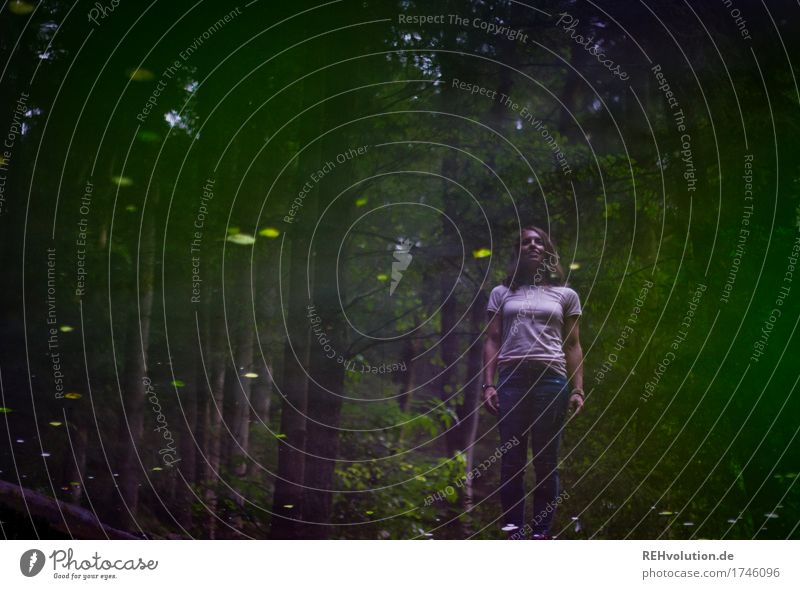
<point>287,500</point>
<point>133,395</point>
<point>449,342</point>
<point>324,395</point>
<point>468,412</point>
<point>216,352</point>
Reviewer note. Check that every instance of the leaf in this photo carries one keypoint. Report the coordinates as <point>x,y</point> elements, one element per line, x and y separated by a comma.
<point>141,75</point>
<point>131,208</point>
<point>55,423</point>
<point>269,232</point>
<point>250,375</point>
<point>382,277</point>
<point>66,328</point>
<point>5,410</point>
<point>73,396</point>
<point>360,202</point>
<point>122,181</point>
<point>481,253</point>
<point>279,436</point>
<point>574,266</point>
<point>241,239</point>
<point>178,383</point>
<point>149,136</point>
<point>19,7</point>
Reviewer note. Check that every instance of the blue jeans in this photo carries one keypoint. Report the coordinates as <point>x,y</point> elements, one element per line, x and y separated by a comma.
<point>533,402</point>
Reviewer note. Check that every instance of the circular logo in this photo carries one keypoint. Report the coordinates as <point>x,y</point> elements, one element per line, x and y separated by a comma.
<point>31,562</point>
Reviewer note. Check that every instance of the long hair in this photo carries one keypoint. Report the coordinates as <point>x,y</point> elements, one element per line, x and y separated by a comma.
<point>553,274</point>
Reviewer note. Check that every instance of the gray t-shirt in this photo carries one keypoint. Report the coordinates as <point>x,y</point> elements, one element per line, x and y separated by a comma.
<point>533,319</point>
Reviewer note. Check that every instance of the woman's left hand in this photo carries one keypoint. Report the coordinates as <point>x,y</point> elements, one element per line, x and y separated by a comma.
<point>575,404</point>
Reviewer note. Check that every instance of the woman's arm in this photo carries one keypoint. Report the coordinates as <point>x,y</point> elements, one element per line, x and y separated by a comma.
<point>574,357</point>
<point>491,349</point>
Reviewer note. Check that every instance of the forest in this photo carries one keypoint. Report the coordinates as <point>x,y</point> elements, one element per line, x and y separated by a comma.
<point>248,250</point>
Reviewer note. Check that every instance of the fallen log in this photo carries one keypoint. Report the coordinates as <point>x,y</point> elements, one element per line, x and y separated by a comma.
<point>41,513</point>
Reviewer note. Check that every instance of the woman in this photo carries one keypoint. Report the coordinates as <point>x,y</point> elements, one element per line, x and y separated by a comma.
<point>533,342</point>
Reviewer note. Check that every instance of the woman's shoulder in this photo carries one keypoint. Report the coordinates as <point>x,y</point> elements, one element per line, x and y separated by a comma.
<point>500,288</point>
<point>565,288</point>
<point>566,292</point>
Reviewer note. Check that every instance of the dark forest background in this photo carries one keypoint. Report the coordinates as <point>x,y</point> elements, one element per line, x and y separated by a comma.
<point>270,438</point>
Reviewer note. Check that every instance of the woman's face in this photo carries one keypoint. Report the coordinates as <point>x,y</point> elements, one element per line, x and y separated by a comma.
<point>531,249</point>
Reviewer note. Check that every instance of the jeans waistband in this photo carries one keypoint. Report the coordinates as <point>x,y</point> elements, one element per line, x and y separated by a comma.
<point>527,370</point>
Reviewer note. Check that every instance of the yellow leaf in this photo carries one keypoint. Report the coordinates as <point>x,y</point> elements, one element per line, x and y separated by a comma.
<point>141,75</point>
<point>269,232</point>
<point>19,7</point>
<point>122,180</point>
<point>360,202</point>
<point>574,266</point>
<point>241,239</point>
<point>55,423</point>
<point>73,396</point>
<point>382,277</point>
<point>65,328</point>
<point>482,253</point>
<point>250,375</point>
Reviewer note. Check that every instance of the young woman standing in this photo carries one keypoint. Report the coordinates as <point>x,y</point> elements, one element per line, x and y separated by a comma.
<point>533,345</point>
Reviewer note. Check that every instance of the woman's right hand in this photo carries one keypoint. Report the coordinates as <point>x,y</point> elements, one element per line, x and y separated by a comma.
<point>491,400</point>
